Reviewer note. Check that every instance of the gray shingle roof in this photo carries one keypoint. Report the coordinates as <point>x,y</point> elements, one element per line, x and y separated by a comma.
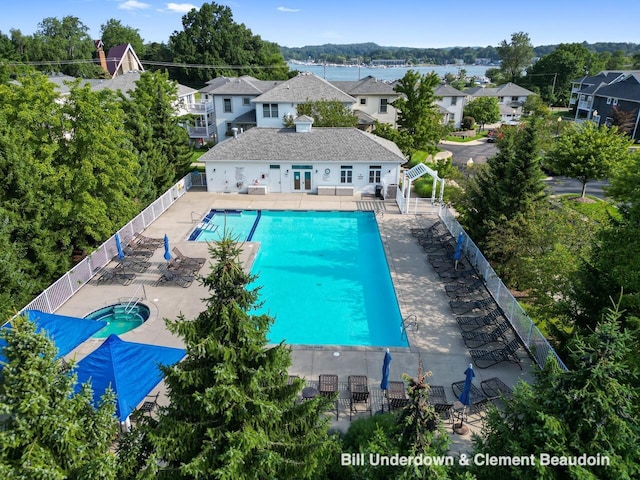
<point>304,87</point>
<point>506,90</point>
<point>320,144</point>
<point>245,85</point>
<point>366,86</point>
<point>448,91</point>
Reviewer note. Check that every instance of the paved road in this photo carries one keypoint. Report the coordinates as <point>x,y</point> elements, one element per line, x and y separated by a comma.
<point>480,150</point>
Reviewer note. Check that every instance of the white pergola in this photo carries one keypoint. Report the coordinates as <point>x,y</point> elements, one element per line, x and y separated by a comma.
<point>416,172</point>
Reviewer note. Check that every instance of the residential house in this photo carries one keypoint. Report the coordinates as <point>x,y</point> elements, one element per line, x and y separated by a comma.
<point>325,161</point>
<point>451,104</point>
<point>595,98</point>
<point>122,59</point>
<point>510,97</point>
<point>373,101</point>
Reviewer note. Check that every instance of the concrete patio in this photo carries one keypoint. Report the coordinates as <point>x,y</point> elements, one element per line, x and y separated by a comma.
<point>420,292</point>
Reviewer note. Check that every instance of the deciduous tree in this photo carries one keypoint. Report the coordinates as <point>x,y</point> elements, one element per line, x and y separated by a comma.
<point>46,430</point>
<point>483,110</point>
<point>516,55</point>
<point>114,33</point>
<point>328,114</point>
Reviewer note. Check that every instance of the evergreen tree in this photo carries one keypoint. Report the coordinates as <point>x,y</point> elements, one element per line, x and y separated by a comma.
<point>232,414</point>
<point>590,409</point>
<point>46,430</point>
<point>162,143</point>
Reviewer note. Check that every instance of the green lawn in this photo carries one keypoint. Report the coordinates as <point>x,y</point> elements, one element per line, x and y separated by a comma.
<point>598,210</point>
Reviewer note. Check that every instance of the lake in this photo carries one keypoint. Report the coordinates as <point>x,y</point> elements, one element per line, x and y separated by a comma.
<point>339,73</point>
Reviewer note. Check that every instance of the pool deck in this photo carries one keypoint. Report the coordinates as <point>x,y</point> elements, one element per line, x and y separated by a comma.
<point>436,341</point>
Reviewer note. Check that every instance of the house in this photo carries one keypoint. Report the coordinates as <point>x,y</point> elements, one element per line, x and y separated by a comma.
<point>595,98</point>
<point>373,101</point>
<point>451,104</point>
<point>510,97</point>
<point>325,161</point>
<point>122,59</point>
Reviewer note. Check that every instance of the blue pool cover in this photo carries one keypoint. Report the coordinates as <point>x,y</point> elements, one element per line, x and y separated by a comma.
<point>66,332</point>
<point>130,369</point>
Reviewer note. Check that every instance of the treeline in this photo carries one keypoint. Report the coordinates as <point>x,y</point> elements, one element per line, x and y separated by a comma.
<point>76,169</point>
<point>365,52</point>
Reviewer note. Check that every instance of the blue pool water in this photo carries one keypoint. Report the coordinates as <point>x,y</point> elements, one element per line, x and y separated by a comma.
<point>120,318</point>
<point>324,275</point>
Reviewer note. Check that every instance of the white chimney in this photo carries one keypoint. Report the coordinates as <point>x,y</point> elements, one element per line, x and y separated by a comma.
<point>234,130</point>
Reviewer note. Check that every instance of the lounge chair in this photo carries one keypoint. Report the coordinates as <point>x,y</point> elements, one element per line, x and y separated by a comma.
<point>434,229</point>
<point>479,401</point>
<point>487,358</point>
<point>460,307</point>
<point>469,324</point>
<point>140,239</point>
<point>436,394</point>
<point>131,263</point>
<point>475,339</point>
<point>115,275</point>
<point>182,267</point>
<point>136,252</point>
<point>458,290</point>
<point>397,395</point>
<point>435,240</point>
<point>358,394</point>
<point>180,257</point>
<point>437,248</point>
<point>494,388</point>
<point>182,278</point>
<point>328,387</point>
<point>453,275</point>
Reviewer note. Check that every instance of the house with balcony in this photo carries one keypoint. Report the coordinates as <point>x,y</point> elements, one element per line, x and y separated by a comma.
<point>373,101</point>
<point>510,97</point>
<point>450,102</point>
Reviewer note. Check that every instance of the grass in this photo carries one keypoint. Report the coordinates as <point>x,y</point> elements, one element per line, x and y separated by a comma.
<point>453,138</point>
<point>196,154</point>
<point>597,210</point>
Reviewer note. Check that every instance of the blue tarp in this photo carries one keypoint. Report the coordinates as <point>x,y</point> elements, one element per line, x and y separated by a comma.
<point>131,369</point>
<point>66,332</point>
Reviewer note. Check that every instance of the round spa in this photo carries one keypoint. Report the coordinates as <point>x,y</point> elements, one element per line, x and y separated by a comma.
<point>120,318</point>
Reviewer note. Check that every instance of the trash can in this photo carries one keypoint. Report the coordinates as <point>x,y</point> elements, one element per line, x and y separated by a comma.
<point>378,191</point>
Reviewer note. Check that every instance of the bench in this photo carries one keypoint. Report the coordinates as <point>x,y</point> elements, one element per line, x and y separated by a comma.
<point>257,189</point>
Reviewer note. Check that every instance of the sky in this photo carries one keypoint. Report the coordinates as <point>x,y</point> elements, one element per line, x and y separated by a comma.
<point>412,23</point>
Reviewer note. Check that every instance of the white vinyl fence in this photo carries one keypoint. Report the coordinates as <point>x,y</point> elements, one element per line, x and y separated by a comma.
<point>72,281</point>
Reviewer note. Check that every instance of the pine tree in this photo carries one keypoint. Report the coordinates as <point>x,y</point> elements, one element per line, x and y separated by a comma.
<point>46,430</point>
<point>232,414</point>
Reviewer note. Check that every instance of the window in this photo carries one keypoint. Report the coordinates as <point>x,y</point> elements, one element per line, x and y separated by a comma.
<point>454,100</point>
<point>227,105</point>
<point>270,110</point>
<point>514,99</point>
<point>375,173</point>
<point>363,101</point>
<point>608,121</point>
<point>246,101</point>
<point>615,101</point>
<point>346,174</point>
<point>608,100</point>
<point>500,99</point>
<point>383,105</point>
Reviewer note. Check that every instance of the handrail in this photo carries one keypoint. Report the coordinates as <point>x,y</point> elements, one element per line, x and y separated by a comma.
<point>144,293</point>
<point>403,327</point>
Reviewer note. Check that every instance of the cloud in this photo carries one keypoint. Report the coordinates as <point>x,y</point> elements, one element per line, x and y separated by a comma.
<point>133,5</point>
<point>180,7</point>
<point>285,9</point>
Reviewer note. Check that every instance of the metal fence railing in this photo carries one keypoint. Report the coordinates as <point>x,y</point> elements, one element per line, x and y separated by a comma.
<point>66,286</point>
<point>535,342</point>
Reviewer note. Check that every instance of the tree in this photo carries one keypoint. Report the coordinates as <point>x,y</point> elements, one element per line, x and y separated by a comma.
<point>516,55</point>
<point>46,430</point>
<point>535,106</point>
<point>328,113</point>
<point>162,143</point>
<point>625,120</point>
<point>211,37</point>
<point>231,412</point>
<point>590,409</point>
<point>419,121</point>
<point>587,152</point>
<point>484,110</point>
<point>114,33</point>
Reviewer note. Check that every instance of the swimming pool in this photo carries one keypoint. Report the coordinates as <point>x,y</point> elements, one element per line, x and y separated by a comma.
<point>120,318</point>
<point>324,275</point>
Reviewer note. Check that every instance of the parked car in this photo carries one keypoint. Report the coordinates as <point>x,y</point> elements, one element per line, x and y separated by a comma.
<point>492,135</point>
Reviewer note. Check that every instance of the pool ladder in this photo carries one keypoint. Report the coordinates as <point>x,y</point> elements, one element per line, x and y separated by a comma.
<point>133,301</point>
<point>406,323</point>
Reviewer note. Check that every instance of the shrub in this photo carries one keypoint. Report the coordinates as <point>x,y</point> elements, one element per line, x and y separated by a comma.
<point>468,123</point>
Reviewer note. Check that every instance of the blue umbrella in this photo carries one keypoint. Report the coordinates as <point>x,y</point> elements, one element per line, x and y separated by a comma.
<point>457,255</point>
<point>167,255</point>
<point>119,246</point>
<point>465,395</point>
<point>386,367</point>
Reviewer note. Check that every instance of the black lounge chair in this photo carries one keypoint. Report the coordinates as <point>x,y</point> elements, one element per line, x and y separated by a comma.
<point>397,395</point>
<point>454,275</point>
<point>475,339</point>
<point>328,387</point>
<point>132,263</point>
<point>494,388</point>
<point>487,358</point>
<point>148,242</point>
<point>460,307</point>
<point>435,240</point>
<point>115,275</point>
<point>469,324</point>
<point>434,229</point>
<point>181,258</point>
<point>439,248</point>
<point>358,394</point>
<point>137,252</point>
<point>459,290</point>
<point>181,267</point>
<point>436,395</point>
<point>182,278</point>
<point>479,401</point>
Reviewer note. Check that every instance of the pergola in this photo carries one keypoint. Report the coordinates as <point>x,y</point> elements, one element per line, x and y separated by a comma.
<point>416,172</point>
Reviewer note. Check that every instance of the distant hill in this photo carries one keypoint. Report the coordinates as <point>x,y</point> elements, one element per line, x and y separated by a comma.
<point>365,52</point>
